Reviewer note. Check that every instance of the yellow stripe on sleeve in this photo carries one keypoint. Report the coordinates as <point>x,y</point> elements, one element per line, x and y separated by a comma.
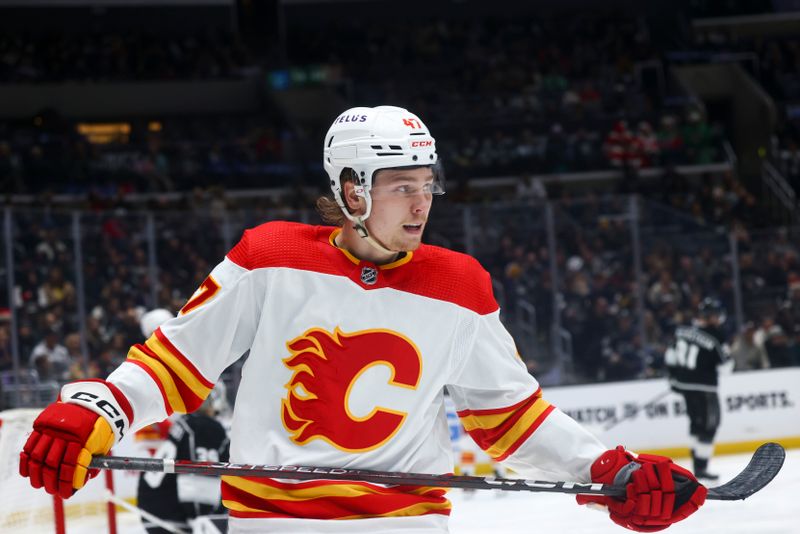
<point>520,427</point>
<point>473,422</point>
<point>171,390</point>
<point>177,367</point>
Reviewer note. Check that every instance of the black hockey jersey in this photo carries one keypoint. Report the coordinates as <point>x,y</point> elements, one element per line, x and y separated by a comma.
<point>178,498</point>
<point>693,359</point>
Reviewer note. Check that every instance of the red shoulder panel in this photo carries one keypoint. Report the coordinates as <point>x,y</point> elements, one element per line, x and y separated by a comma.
<point>433,272</point>
<point>283,244</point>
<point>447,275</point>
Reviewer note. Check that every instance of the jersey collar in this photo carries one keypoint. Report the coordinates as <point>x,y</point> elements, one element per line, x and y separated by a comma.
<point>397,263</point>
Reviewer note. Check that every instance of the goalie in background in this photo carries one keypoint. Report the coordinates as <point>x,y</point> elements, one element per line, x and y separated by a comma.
<point>698,355</point>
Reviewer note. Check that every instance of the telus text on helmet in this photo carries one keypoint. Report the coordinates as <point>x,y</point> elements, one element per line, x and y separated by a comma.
<point>350,118</point>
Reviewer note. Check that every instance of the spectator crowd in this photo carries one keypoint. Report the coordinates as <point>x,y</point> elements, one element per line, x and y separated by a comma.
<point>525,98</point>
<point>546,95</point>
<point>617,330</point>
<point>27,57</point>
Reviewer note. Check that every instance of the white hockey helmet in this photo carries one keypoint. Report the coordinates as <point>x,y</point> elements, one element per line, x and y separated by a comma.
<point>369,139</point>
<point>153,319</point>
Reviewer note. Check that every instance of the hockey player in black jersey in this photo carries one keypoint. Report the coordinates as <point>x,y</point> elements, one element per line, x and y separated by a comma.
<point>178,499</point>
<point>693,362</point>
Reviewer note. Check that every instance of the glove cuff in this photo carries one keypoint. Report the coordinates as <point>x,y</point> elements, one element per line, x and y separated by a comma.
<point>102,398</point>
<point>605,468</point>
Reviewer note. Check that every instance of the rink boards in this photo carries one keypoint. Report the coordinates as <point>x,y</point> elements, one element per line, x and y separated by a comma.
<point>757,406</point>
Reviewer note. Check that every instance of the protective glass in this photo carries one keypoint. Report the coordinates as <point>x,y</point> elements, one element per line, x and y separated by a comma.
<point>404,189</point>
<point>407,190</point>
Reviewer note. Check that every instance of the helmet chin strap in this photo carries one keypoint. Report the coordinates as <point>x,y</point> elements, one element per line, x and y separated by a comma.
<point>360,226</point>
<point>360,222</point>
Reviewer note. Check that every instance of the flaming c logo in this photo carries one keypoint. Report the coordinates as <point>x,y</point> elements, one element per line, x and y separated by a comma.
<point>326,366</point>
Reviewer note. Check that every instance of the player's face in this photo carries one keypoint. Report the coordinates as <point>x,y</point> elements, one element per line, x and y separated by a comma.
<point>401,202</point>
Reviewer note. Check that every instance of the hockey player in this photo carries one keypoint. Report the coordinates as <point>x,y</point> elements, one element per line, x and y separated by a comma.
<point>693,363</point>
<point>179,499</point>
<point>353,332</point>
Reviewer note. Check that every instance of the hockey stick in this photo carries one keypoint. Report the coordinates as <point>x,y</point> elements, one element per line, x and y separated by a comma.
<point>763,466</point>
<point>614,422</point>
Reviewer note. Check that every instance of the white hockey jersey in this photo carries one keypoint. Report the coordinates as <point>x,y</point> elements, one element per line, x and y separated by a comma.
<point>347,364</point>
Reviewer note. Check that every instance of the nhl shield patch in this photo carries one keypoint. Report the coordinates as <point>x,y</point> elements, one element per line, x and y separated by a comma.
<point>369,275</point>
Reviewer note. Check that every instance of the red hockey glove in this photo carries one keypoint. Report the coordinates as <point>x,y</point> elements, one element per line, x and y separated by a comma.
<point>660,492</point>
<point>69,432</point>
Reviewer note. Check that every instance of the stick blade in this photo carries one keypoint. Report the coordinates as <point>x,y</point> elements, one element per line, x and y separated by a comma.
<point>764,465</point>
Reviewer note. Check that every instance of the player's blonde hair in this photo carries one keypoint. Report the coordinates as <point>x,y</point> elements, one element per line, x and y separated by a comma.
<point>328,208</point>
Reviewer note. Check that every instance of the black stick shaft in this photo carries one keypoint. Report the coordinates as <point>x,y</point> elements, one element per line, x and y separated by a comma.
<point>294,472</point>
<point>764,465</point>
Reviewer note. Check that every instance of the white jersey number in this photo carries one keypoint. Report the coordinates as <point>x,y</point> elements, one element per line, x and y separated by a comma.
<point>683,354</point>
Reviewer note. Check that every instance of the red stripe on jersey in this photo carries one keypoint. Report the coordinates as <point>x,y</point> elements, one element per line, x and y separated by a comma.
<point>271,483</point>
<point>526,434</point>
<point>333,500</point>
<point>122,400</point>
<point>190,399</point>
<point>155,379</point>
<point>269,515</point>
<point>183,359</point>
<point>432,272</point>
<point>486,437</point>
<point>502,431</point>
<point>506,409</point>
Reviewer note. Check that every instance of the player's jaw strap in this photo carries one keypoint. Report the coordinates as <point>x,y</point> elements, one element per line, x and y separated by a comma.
<point>360,226</point>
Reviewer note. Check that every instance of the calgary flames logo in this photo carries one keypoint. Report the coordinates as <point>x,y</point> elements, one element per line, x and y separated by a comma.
<point>326,367</point>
